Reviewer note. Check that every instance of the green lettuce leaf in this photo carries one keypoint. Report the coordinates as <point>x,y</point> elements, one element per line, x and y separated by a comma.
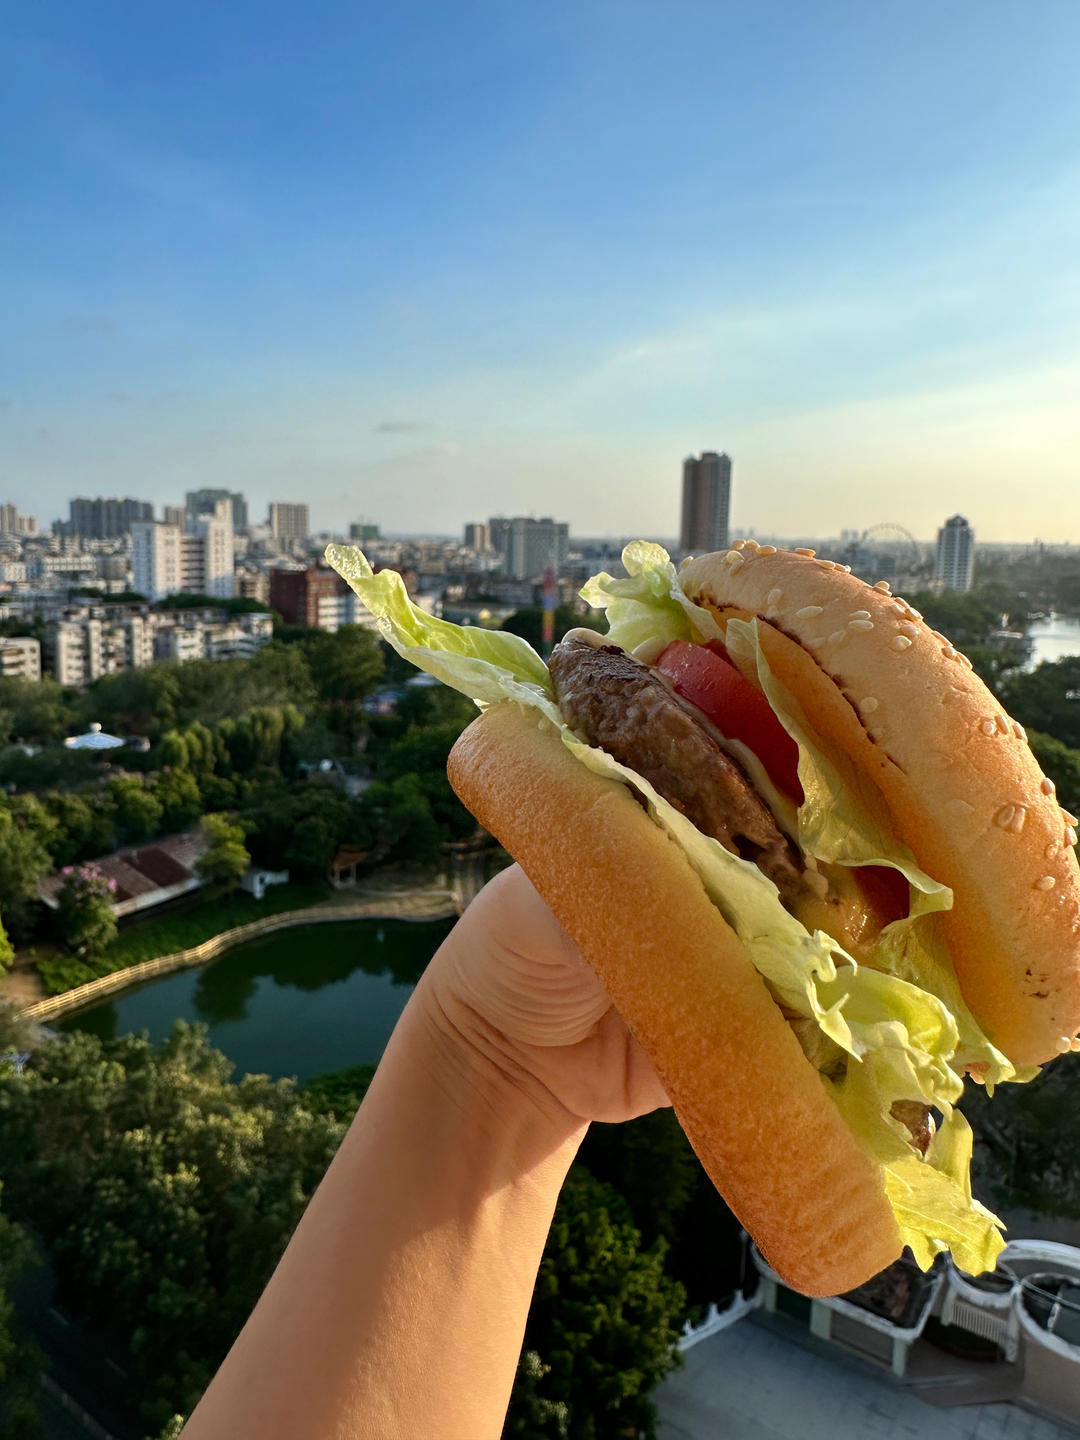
<point>650,604</point>
<point>903,1027</point>
<point>485,665</point>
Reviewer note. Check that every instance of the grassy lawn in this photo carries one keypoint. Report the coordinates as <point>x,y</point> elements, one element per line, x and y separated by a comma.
<point>178,929</point>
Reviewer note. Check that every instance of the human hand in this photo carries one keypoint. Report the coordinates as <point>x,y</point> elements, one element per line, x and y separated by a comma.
<point>510,982</point>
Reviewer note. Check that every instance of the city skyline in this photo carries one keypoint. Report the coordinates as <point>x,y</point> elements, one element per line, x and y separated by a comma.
<point>488,261</point>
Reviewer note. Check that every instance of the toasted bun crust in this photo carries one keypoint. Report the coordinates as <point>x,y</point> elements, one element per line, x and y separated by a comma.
<point>964,789</point>
<point>757,1113</point>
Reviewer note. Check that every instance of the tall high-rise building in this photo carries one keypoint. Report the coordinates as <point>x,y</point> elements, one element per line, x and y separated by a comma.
<point>476,537</point>
<point>499,534</point>
<point>706,502</point>
<point>106,519</point>
<point>288,521</point>
<point>204,502</point>
<point>955,554</point>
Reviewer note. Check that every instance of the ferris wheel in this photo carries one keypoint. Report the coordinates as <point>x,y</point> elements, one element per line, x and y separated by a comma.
<point>889,533</point>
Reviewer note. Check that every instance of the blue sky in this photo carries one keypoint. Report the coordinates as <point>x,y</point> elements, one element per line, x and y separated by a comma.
<point>428,263</point>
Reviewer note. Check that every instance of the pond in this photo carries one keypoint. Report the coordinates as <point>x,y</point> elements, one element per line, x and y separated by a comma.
<point>297,1002</point>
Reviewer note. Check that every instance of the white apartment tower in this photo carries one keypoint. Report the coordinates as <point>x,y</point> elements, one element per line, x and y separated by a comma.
<point>955,554</point>
<point>197,560</point>
<point>155,558</point>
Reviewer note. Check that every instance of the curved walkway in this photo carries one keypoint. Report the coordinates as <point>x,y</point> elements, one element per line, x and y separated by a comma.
<point>432,903</point>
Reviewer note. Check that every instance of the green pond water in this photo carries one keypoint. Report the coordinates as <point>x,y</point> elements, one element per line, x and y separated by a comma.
<point>298,1002</point>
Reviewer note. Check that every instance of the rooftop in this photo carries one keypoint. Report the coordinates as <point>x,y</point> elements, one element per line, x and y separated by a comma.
<point>749,1383</point>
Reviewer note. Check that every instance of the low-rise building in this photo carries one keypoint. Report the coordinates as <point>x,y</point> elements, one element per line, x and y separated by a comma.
<point>20,658</point>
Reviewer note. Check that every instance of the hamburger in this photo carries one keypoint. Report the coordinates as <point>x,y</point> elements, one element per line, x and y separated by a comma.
<point>814,864</point>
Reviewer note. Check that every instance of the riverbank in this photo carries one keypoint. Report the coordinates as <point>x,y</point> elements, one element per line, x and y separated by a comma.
<point>385,895</point>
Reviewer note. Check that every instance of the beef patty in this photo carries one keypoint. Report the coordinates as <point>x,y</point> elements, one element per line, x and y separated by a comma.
<point>627,709</point>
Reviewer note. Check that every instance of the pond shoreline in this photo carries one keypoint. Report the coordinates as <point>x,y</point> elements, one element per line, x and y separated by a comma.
<point>428,903</point>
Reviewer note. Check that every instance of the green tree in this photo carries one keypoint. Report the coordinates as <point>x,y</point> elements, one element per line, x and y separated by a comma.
<point>603,1326</point>
<point>226,859</point>
<point>177,792</point>
<point>7,950</point>
<point>84,910</point>
<point>1062,764</point>
<point>345,665</point>
<point>1048,699</point>
<point>138,810</point>
<point>1028,1141</point>
<point>165,1194</point>
<point>85,826</point>
<point>137,702</point>
<point>20,1359</point>
<point>24,860</point>
<point>401,820</point>
<point>529,622</point>
<point>37,711</point>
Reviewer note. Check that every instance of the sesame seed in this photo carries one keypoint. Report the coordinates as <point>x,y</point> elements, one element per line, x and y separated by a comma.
<point>906,628</point>
<point>988,727</point>
<point>766,550</point>
<point>860,624</point>
<point>1064,1045</point>
<point>809,612</point>
<point>1004,816</point>
<point>900,642</point>
<point>739,545</point>
<point>837,636</point>
<point>1015,822</point>
<point>846,569</point>
<point>1069,819</point>
<point>876,734</point>
<point>915,614</point>
<point>733,559</point>
<point>869,705</point>
<point>860,615</point>
<point>1018,729</point>
<point>751,543</point>
<point>1051,850</point>
<point>1003,724</point>
<point>938,636</point>
<point>964,661</point>
<point>884,587</point>
<point>900,606</point>
<point>773,597</point>
<point>1070,836</point>
<point>804,550</point>
<point>1047,882</point>
<point>1075,1044</point>
<point>949,652</point>
<point>1048,786</point>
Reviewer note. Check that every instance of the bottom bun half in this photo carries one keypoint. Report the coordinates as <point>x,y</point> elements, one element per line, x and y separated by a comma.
<point>755,1110</point>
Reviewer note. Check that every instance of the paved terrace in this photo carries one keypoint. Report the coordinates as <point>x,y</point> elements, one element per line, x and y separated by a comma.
<point>749,1383</point>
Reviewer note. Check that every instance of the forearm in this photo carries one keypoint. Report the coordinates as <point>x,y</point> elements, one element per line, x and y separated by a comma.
<point>399,1307</point>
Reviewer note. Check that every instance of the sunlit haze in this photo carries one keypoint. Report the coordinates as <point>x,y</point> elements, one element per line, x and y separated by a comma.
<point>428,263</point>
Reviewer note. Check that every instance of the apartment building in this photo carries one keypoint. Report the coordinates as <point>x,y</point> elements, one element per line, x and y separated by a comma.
<point>20,658</point>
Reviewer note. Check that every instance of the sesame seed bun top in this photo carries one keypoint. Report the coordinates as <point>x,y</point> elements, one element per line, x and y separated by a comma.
<point>965,792</point>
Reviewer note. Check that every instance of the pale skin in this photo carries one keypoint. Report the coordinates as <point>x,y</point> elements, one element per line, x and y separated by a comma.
<point>399,1307</point>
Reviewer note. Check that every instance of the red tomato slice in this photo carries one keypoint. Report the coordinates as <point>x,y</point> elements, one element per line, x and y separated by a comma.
<point>707,678</point>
